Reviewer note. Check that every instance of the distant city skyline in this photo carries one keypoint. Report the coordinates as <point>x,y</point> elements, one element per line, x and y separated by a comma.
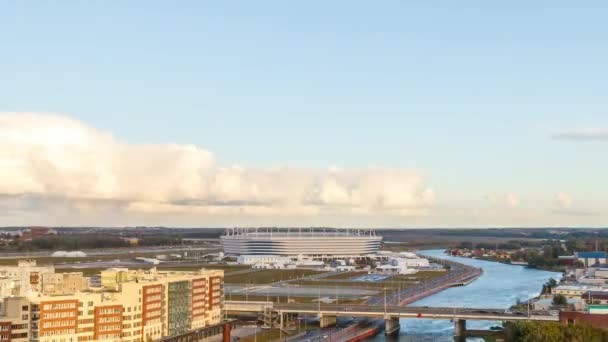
<point>270,113</point>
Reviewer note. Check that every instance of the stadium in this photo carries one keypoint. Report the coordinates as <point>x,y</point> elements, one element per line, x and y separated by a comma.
<point>314,242</point>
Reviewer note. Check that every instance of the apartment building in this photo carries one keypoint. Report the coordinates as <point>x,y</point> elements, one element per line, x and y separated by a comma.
<point>57,284</point>
<point>133,306</point>
<point>24,279</point>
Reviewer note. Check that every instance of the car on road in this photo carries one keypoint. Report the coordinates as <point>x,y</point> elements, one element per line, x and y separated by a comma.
<point>554,312</point>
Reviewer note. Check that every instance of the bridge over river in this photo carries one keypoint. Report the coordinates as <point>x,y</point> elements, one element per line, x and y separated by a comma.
<point>328,313</point>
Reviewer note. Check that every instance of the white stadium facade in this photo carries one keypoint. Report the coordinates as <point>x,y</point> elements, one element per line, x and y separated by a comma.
<point>314,242</point>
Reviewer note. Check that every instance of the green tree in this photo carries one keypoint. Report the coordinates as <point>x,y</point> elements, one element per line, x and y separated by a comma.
<point>528,331</point>
<point>560,300</point>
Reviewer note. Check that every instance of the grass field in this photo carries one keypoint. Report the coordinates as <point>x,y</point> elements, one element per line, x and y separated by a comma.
<point>286,299</point>
<point>263,335</point>
<point>268,276</point>
<point>396,282</point>
<point>346,275</point>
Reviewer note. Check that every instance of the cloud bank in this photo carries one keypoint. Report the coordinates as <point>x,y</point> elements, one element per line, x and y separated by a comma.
<point>591,134</point>
<point>51,160</point>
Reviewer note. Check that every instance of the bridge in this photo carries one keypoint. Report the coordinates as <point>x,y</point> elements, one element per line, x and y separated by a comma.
<point>280,314</point>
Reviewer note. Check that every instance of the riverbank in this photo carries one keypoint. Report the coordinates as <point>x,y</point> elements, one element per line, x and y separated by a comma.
<point>517,263</point>
<point>458,274</point>
<point>498,287</point>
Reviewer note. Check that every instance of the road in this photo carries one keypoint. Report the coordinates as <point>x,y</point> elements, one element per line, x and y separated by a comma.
<point>457,274</point>
<point>415,312</point>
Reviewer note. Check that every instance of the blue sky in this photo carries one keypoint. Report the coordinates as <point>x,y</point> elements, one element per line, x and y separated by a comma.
<point>465,94</point>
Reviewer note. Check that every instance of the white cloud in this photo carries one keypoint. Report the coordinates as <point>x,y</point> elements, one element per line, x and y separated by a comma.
<point>57,159</point>
<point>589,134</point>
<point>508,200</point>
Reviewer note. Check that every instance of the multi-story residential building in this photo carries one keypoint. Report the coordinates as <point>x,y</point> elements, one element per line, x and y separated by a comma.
<point>24,279</point>
<point>137,306</point>
<point>57,284</point>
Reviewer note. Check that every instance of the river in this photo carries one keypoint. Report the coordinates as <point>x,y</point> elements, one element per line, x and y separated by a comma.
<point>500,286</point>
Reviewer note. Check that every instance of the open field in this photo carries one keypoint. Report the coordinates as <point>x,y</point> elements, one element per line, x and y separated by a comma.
<point>346,275</point>
<point>167,267</point>
<point>416,239</point>
<point>288,299</point>
<point>395,282</point>
<point>269,276</point>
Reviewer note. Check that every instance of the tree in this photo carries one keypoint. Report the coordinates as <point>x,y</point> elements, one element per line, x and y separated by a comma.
<point>549,286</point>
<point>528,331</point>
<point>560,300</point>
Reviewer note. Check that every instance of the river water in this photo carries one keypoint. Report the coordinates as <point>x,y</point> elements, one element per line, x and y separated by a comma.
<point>500,286</point>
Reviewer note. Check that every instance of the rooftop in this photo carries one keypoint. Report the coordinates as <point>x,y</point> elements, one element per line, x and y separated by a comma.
<point>591,255</point>
<point>596,295</point>
<point>299,232</point>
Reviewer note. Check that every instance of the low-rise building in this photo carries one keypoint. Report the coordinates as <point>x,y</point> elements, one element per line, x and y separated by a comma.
<point>596,297</point>
<point>597,309</point>
<point>409,262</point>
<point>591,258</point>
<point>267,259</point>
<point>576,304</point>
<point>574,291</point>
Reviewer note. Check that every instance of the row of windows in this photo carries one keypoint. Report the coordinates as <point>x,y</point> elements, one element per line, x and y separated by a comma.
<point>108,336</point>
<point>110,319</point>
<point>62,314</point>
<point>59,306</point>
<point>113,327</point>
<point>56,324</point>
<point>153,298</point>
<point>128,318</point>
<point>59,332</point>
<point>109,311</point>
<point>198,296</point>
<point>151,290</point>
<point>80,304</point>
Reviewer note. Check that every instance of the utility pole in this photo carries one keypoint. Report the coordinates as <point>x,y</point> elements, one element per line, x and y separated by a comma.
<point>337,296</point>
<point>319,300</point>
<point>384,300</point>
<point>399,294</point>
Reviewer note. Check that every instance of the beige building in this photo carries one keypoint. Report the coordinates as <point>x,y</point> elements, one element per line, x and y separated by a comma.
<point>15,320</point>
<point>58,284</point>
<point>23,279</point>
<point>135,306</point>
